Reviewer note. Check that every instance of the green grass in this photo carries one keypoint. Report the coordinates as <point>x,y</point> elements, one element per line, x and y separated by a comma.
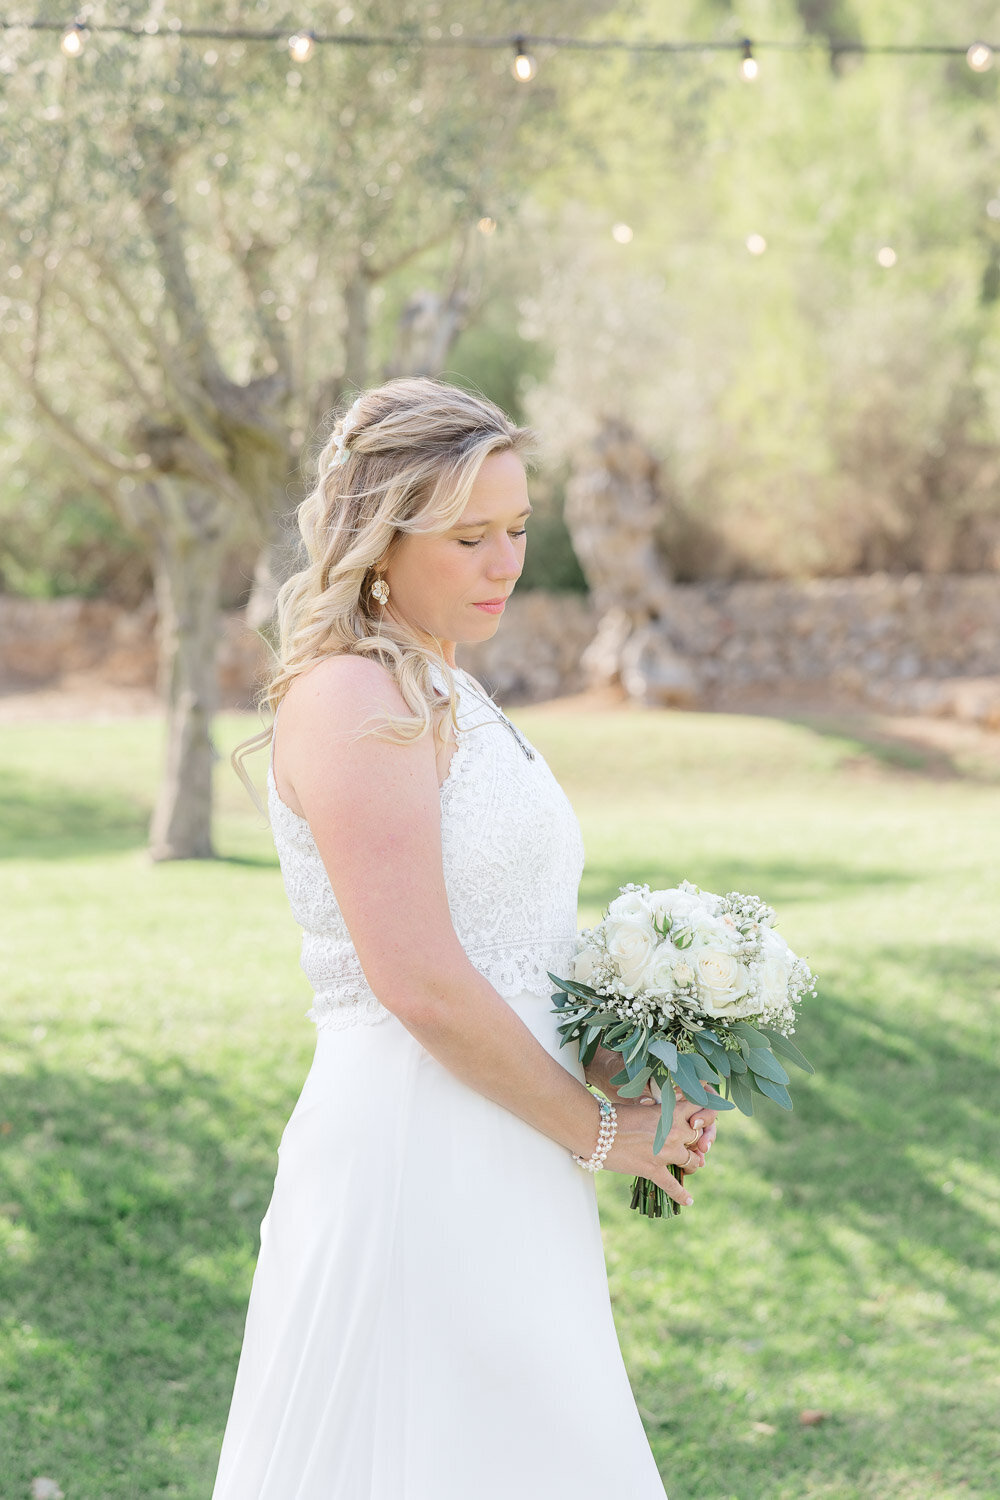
<point>843,1258</point>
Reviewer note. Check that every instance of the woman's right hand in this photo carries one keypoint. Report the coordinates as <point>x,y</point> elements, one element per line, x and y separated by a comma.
<point>685,1146</point>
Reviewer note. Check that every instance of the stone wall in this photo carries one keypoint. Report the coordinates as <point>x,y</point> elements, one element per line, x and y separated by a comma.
<point>76,642</point>
<point>915,644</point>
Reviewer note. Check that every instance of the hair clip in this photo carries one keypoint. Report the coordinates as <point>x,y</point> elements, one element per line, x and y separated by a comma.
<point>346,428</point>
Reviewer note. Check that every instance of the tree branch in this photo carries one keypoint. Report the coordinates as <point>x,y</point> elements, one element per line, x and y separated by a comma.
<point>105,460</point>
<point>113,346</point>
<point>159,207</point>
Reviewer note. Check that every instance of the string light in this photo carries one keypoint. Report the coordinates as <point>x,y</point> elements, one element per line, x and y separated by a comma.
<point>486,225</point>
<point>302,45</point>
<point>748,67</point>
<point>523,67</point>
<point>622,233</point>
<point>886,257</point>
<point>756,244</point>
<point>979,55</point>
<point>72,40</point>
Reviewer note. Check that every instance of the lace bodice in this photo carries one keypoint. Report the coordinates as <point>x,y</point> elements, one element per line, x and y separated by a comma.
<point>512,853</point>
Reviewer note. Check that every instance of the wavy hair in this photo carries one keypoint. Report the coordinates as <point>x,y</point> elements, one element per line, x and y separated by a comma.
<point>402,459</point>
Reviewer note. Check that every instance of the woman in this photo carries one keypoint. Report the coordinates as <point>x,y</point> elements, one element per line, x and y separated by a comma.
<point>429,1317</point>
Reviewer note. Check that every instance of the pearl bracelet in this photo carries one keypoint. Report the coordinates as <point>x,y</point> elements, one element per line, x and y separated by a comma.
<point>605,1137</point>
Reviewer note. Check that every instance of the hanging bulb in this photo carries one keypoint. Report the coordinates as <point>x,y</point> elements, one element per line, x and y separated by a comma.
<point>72,40</point>
<point>979,57</point>
<point>748,67</point>
<point>523,67</point>
<point>302,45</point>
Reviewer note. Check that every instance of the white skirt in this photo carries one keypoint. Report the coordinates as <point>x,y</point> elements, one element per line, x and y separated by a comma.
<point>429,1317</point>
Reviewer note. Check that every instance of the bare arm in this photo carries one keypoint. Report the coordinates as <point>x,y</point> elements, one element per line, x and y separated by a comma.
<point>374,811</point>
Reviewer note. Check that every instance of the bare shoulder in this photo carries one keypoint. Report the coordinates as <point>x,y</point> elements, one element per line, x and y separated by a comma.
<point>324,743</point>
<point>344,690</point>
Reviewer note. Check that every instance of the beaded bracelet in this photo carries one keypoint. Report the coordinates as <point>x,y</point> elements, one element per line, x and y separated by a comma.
<point>605,1138</point>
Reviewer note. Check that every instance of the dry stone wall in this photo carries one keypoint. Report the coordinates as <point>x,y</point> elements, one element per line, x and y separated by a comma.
<point>912,644</point>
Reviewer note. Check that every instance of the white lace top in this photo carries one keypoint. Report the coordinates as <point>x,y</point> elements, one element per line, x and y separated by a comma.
<point>512,854</point>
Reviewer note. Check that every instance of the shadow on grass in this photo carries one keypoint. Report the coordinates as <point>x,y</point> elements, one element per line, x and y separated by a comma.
<point>42,818</point>
<point>134,1209</point>
<point>138,1204</point>
<point>860,1226</point>
<point>775,881</point>
<point>249,861</point>
<point>894,749</point>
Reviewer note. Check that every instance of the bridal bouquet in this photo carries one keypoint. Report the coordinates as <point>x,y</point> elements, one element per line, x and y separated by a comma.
<point>671,980</point>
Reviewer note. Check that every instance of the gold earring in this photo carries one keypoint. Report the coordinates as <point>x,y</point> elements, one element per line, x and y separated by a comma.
<point>380,590</point>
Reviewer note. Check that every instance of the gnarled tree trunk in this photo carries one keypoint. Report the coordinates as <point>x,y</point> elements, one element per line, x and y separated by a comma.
<point>613,505</point>
<point>190,546</point>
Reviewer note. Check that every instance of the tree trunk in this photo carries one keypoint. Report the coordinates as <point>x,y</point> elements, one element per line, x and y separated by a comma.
<point>188,564</point>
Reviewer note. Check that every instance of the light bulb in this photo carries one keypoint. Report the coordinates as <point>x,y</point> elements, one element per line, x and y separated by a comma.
<point>756,244</point>
<point>486,225</point>
<point>72,40</point>
<point>886,257</point>
<point>301,46</point>
<point>523,67</point>
<point>622,233</point>
<point>748,67</point>
<point>979,57</point>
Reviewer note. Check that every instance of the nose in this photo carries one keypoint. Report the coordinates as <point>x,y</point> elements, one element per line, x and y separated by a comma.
<point>505,561</point>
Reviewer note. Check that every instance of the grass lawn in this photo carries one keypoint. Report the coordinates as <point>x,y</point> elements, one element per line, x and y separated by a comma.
<point>844,1259</point>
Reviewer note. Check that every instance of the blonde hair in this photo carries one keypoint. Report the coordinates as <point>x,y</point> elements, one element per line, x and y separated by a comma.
<point>402,460</point>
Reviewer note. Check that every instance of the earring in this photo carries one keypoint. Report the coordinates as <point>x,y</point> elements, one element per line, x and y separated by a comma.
<point>380,590</point>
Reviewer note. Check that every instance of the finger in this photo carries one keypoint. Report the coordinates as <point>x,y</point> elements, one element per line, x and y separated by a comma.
<point>695,1117</point>
<point>673,1189</point>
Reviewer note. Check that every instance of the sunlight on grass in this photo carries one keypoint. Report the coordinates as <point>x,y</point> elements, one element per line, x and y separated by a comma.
<point>843,1258</point>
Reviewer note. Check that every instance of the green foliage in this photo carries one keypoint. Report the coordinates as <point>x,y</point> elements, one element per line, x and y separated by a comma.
<point>59,537</point>
<point>842,1258</point>
<point>812,410</point>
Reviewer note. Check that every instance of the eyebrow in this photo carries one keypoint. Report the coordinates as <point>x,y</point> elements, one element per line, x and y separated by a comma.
<point>468,525</point>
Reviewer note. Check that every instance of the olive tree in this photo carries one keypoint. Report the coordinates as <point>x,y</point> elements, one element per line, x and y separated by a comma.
<point>204,244</point>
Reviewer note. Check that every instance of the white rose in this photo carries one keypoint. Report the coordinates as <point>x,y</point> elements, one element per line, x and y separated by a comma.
<point>630,944</point>
<point>722,980</point>
<point>715,933</point>
<point>629,906</point>
<point>775,968</point>
<point>679,905</point>
<point>583,966</point>
<point>659,972</point>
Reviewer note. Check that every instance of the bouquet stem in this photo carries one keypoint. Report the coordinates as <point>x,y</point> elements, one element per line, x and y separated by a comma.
<point>652,1200</point>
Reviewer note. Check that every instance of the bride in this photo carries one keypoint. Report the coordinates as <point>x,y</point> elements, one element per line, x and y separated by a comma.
<point>429,1317</point>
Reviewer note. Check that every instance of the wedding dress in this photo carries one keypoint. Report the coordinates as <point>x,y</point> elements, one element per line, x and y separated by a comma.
<point>429,1317</point>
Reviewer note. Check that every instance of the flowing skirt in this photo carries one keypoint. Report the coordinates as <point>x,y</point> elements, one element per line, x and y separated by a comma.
<point>429,1317</point>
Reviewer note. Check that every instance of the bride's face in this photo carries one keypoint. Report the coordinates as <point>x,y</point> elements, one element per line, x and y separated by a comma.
<point>440,583</point>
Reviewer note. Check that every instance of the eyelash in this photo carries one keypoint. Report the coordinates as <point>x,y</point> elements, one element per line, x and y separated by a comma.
<point>463,543</point>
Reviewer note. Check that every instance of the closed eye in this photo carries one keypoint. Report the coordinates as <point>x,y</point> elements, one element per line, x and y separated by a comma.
<point>462,542</point>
